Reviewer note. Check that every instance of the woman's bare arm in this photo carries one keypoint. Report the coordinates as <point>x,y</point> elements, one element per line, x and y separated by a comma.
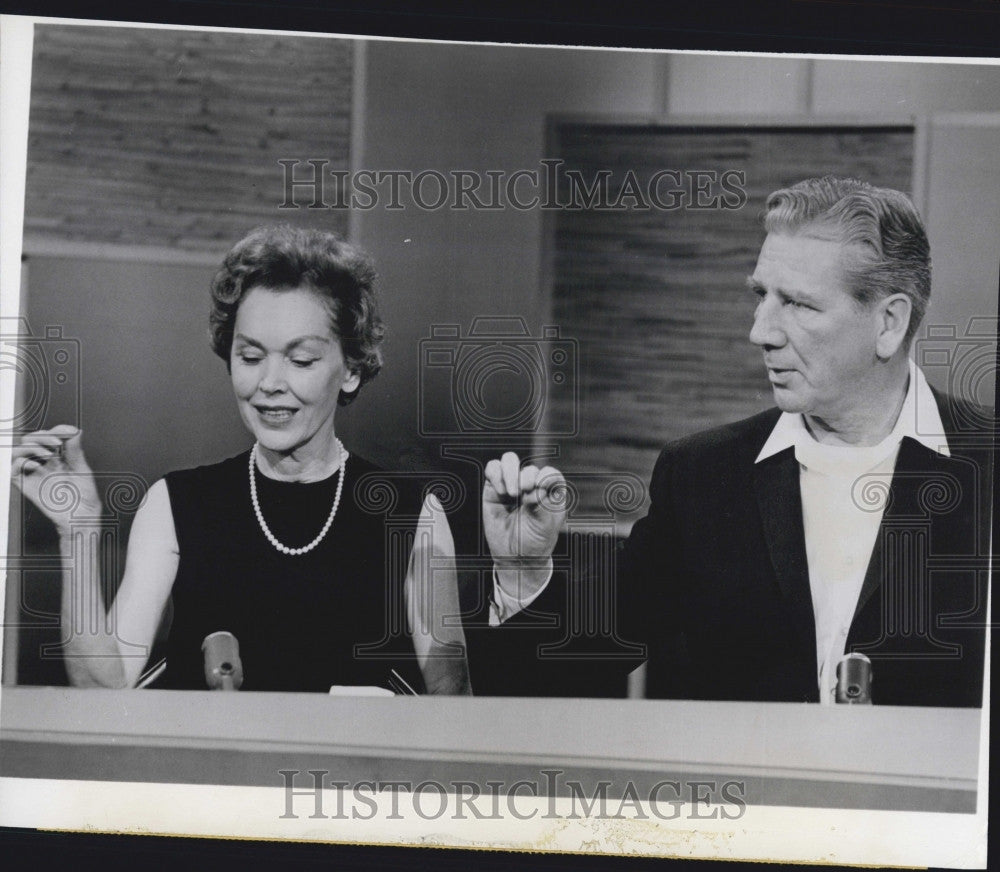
<point>101,648</point>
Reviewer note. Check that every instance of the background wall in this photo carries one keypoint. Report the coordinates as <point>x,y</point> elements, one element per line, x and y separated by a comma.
<point>170,138</point>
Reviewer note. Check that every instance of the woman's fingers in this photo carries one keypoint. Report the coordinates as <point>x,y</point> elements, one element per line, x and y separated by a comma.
<point>64,441</point>
<point>56,454</point>
<point>37,451</point>
<point>31,449</point>
<point>29,458</point>
<point>43,438</point>
<point>62,432</point>
<point>23,466</point>
<point>73,451</point>
<point>58,449</point>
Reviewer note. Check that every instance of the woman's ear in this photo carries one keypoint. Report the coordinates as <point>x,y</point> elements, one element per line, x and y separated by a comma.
<point>351,383</point>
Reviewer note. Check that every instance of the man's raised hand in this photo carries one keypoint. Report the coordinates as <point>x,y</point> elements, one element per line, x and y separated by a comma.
<point>523,511</point>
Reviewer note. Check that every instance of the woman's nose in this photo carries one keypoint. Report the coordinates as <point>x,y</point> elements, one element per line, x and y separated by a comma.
<point>272,377</point>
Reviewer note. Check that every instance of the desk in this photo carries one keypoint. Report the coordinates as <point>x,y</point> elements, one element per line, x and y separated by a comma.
<point>912,759</point>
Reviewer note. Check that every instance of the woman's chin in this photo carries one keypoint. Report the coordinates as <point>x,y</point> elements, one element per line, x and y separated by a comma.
<point>284,443</point>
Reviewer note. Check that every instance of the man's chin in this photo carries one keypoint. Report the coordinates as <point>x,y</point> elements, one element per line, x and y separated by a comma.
<point>789,401</point>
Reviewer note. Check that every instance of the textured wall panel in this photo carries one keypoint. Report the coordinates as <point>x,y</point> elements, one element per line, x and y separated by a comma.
<point>656,298</point>
<point>171,138</point>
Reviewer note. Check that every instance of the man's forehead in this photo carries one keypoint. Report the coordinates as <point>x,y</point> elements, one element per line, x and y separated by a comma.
<point>809,253</point>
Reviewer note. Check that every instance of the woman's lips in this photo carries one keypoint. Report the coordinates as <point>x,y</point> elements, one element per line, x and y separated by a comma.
<point>275,416</point>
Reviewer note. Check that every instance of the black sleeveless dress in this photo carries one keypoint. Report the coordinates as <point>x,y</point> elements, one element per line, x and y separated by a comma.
<point>335,615</point>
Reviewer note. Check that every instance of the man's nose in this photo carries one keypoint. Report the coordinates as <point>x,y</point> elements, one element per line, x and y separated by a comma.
<point>766,331</point>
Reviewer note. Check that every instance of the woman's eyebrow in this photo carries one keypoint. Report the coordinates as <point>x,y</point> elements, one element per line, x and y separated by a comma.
<point>241,337</point>
<point>314,337</point>
<point>298,340</point>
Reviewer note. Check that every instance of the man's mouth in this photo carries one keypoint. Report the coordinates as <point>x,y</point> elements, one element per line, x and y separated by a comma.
<point>778,374</point>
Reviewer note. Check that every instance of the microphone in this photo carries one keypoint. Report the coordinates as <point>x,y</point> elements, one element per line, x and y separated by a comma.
<point>854,680</point>
<point>223,668</point>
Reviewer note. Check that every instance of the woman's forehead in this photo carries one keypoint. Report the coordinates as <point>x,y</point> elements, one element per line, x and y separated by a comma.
<point>284,312</point>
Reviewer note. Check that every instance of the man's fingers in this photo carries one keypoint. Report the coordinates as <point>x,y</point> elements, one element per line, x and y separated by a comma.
<point>494,477</point>
<point>529,481</point>
<point>552,487</point>
<point>544,487</point>
<point>530,486</point>
<point>529,475</point>
<point>510,465</point>
<point>550,477</point>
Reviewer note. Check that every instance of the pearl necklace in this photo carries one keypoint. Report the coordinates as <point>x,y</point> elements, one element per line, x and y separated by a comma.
<point>342,456</point>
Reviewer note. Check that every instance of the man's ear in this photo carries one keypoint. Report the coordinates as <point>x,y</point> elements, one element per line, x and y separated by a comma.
<point>894,313</point>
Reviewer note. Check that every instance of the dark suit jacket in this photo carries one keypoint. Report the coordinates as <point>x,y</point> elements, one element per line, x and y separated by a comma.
<point>714,583</point>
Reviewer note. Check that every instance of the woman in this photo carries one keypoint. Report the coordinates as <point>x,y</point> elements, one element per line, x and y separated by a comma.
<point>283,545</point>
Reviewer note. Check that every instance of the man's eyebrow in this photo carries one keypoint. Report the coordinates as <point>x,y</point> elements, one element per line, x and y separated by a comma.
<point>802,296</point>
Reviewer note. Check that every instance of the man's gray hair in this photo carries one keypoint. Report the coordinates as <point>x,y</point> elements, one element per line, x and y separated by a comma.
<point>882,221</point>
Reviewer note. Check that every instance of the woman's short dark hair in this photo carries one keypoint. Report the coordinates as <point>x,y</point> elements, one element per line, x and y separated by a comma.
<point>282,257</point>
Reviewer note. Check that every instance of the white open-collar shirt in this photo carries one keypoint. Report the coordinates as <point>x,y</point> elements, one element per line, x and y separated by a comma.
<point>840,522</point>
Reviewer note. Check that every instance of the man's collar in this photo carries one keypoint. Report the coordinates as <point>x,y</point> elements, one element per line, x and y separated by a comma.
<point>919,419</point>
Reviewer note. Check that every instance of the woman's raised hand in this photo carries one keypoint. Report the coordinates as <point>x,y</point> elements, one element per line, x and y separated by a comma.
<point>50,470</point>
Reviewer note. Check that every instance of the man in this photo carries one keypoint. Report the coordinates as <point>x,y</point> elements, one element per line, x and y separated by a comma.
<point>852,517</point>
